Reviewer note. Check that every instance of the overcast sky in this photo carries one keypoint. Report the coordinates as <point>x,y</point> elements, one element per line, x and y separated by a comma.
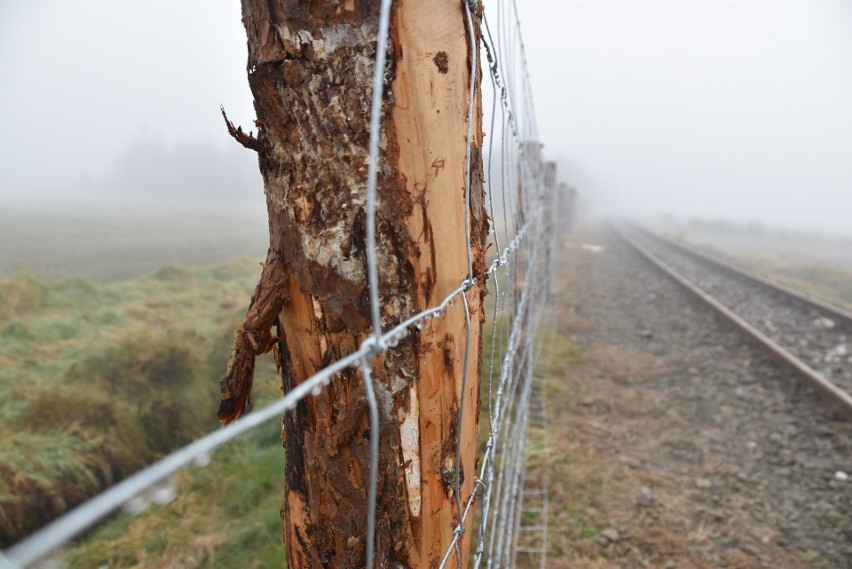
<point>739,109</point>
<point>85,81</point>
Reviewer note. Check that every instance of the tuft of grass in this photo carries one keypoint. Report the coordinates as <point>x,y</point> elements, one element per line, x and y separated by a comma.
<point>119,408</point>
<point>21,294</point>
<point>17,331</point>
<point>172,273</point>
<point>558,352</point>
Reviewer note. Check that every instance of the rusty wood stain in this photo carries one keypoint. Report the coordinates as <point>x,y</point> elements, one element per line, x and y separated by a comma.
<point>442,61</point>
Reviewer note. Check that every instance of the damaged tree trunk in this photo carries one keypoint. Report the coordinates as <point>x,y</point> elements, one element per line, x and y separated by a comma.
<point>311,67</point>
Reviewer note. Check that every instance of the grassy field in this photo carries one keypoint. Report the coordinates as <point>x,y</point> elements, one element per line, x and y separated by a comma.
<point>108,245</point>
<point>99,380</point>
<point>115,327</point>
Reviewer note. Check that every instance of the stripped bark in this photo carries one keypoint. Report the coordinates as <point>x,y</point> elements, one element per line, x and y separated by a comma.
<point>310,71</point>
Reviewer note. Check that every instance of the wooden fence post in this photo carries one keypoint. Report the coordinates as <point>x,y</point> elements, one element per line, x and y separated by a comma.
<point>310,69</point>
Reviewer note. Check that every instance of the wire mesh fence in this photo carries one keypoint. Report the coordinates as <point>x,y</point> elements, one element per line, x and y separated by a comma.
<point>509,505</point>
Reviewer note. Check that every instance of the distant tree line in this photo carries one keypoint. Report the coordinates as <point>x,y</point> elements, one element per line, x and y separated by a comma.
<point>148,167</point>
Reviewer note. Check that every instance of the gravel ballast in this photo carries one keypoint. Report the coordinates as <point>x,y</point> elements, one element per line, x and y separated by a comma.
<point>823,343</point>
<point>678,443</point>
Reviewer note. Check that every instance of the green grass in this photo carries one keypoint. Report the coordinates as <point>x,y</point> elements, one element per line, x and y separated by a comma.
<point>99,380</point>
<point>224,515</point>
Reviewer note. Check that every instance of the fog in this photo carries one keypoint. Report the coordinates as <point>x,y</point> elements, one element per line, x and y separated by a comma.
<point>711,108</point>
<point>118,102</point>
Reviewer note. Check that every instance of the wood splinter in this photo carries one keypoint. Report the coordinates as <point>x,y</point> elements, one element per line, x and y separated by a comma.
<point>252,338</point>
<point>247,140</point>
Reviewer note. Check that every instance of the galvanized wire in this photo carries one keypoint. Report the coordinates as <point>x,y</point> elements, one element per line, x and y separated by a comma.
<point>373,166</point>
<point>366,373</point>
<point>524,265</point>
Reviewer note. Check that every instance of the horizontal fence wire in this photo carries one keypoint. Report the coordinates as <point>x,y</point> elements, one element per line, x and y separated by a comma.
<point>520,273</point>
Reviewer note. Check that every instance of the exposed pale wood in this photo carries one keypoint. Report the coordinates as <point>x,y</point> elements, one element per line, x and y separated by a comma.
<point>431,127</point>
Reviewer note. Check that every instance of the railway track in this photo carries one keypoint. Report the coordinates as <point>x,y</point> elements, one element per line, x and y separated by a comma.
<point>812,337</point>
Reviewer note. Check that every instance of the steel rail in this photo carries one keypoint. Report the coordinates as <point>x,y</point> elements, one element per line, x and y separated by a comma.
<point>811,377</point>
<point>827,309</point>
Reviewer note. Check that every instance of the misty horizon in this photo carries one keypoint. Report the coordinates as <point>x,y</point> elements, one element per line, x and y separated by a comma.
<point>711,111</point>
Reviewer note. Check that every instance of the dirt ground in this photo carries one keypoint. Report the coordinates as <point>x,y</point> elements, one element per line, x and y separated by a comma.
<point>675,443</point>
